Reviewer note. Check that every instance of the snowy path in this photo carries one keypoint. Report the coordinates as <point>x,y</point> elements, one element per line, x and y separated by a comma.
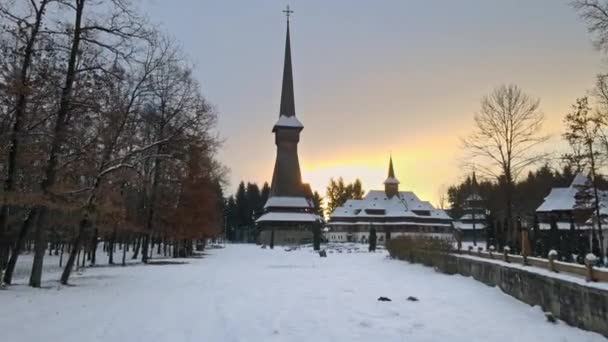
<point>244,293</point>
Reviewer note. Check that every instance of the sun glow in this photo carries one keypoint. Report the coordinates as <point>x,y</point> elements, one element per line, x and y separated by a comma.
<point>416,166</point>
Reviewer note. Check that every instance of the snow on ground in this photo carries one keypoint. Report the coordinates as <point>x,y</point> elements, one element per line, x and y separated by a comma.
<point>245,293</point>
<point>51,267</point>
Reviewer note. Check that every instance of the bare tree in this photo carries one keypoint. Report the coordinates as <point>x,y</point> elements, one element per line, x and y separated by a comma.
<point>506,135</point>
<point>26,29</point>
<point>113,121</point>
<point>113,34</point>
<point>442,196</point>
<point>595,14</point>
<point>125,97</point>
<point>583,128</point>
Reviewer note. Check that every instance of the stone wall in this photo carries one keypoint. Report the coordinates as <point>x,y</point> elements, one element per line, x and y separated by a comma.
<point>576,304</point>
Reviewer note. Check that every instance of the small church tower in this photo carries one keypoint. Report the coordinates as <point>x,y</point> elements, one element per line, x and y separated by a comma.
<point>391,184</point>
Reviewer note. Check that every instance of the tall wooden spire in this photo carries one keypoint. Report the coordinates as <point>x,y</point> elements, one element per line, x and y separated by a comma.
<point>287,177</point>
<point>391,171</point>
<point>288,106</point>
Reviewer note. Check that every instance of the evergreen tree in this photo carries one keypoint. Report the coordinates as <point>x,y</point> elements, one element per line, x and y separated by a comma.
<point>265,193</point>
<point>254,201</point>
<point>338,192</point>
<point>231,218</point>
<point>243,210</point>
<point>318,203</point>
<point>372,239</point>
<point>357,190</point>
<point>584,202</point>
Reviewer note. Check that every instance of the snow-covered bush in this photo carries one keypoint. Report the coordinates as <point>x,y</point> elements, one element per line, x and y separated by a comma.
<point>420,249</point>
<point>590,259</point>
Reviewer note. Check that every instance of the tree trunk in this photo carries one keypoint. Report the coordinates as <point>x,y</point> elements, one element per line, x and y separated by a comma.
<point>508,228</point>
<point>94,244</point>
<point>152,201</point>
<point>316,237</point>
<point>175,248</point>
<point>597,210</point>
<point>111,247</point>
<point>18,247</point>
<point>59,131</point>
<point>124,253</point>
<point>136,248</point>
<point>39,249</point>
<point>65,276</point>
<point>61,255</point>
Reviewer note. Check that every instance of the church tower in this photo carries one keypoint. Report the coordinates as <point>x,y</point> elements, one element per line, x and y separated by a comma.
<point>289,216</point>
<point>391,184</point>
<point>287,177</point>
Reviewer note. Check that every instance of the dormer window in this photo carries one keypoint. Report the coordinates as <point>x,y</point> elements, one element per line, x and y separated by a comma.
<point>375,211</point>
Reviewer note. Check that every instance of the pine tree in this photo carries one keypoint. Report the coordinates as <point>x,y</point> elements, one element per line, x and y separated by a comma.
<point>357,190</point>
<point>255,203</point>
<point>338,192</point>
<point>318,203</point>
<point>243,211</point>
<point>232,217</point>
<point>265,193</point>
<point>372,239</point>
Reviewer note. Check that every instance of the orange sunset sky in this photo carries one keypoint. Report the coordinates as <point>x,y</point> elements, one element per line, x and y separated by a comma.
<point>375,77</point>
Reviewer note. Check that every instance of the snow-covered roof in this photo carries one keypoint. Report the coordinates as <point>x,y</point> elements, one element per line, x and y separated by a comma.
<point>559,199</point>
<point>289,217</point>
<point>564,199</point>
<point>578,180</point>
<point>376,204</point>
<point>287,202</point>
<point>288,121</point>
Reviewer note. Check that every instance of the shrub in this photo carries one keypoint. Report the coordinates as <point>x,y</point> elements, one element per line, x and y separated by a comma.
<point>429,251</point>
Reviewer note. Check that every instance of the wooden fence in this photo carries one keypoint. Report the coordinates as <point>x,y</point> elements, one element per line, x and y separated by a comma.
<point>588,272</point>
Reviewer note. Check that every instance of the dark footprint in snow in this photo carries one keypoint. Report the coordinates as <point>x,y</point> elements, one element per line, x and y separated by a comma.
<point>384,299</point>
<point>412,299</point>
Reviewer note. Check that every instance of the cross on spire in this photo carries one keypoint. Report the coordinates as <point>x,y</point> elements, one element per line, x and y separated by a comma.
<point>287,12</point>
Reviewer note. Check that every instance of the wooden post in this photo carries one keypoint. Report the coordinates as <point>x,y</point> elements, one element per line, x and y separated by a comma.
<point>506,252</point>
<point>590,260</point>
<point>552,255</point>
<point>491,250</point>
<point>525,245</point>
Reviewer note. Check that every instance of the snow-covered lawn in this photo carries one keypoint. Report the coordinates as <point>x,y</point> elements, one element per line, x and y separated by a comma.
<point>245,293</point>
